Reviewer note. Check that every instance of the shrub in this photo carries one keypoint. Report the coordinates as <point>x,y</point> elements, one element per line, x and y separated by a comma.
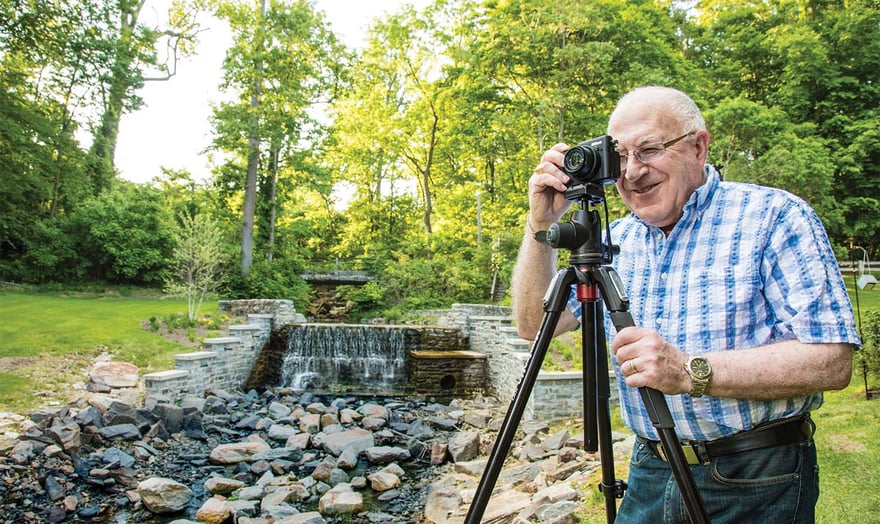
<point>868,357</point>
<point>271,281</point>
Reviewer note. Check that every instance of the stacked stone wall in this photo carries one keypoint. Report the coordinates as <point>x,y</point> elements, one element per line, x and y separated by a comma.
<point>454,374</point>
<point>222,363</point>
<point>282,311</point>
<point>483,355</point>
<point>555,395</point>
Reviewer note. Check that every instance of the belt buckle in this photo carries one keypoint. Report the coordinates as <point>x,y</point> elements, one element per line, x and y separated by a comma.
<point>690,454</point>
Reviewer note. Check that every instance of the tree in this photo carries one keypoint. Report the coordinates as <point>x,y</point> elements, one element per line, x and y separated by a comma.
<point>197,260</point>
<point>131,57</point>
<point>284,62</point>
<point>812,66</point>
<point>125,233</point>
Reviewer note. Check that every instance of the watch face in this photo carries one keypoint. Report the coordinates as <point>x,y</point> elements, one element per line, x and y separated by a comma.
<point>700,367</point>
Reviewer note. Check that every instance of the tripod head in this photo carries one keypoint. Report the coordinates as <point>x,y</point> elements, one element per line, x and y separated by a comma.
<point>582,235</point>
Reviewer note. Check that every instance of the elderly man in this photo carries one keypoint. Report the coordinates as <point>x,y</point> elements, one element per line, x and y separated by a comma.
<point>742,317</point>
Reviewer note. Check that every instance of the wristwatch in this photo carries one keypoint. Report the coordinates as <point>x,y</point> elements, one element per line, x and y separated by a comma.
<point>701,372</point>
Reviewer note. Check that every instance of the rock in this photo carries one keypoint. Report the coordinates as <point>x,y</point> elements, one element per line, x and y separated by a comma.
<point>312,517</point>
<point>282,432</point>
<point>439,452</point>
<point>385,454</point>
<point>222,485</point>
<point>373,410</point>
<point>442,501</point>
<point>122,431</point>
<point>114,374</point>
<point>284,494</point>
<point>310,423</point>
<point>420,430</point>
<point>298,441</point>
<point>478,419</point>
<point>504,505</point>
<point>162,495</point>
<point>66,433</point>
<point>464,446</point>
<point>341,500</point>
<point>348,459</point>
<point>215,510</point>
<point>256,465</point>
<point>356,439</point>
<point>555,442</point>
<point>238,451</point>
<point>278,411</point>
<point>373,423</point>
<point>383,481</point>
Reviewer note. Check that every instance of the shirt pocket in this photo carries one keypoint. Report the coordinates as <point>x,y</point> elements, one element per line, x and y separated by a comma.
<point>730,306</point>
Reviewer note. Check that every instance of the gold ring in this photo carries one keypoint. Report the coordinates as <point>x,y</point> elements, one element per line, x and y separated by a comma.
<point>633,367</point>
<point>539,170</point>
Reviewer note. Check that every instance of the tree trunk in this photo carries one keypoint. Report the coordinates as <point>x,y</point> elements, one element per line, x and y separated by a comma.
<point>426,176</point>
<point>273,169</point>
<point>250,187</point>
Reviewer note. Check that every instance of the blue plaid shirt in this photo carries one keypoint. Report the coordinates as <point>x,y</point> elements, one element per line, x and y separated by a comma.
<point>744,267</point>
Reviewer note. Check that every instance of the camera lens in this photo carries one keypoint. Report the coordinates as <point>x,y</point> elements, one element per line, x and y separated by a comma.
<point>581,163</point>
<point>574,159</point>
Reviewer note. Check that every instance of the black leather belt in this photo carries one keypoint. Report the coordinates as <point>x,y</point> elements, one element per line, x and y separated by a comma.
<point>777,433</point>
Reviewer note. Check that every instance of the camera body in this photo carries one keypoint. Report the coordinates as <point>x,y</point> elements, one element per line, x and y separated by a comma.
<point>594,161</point>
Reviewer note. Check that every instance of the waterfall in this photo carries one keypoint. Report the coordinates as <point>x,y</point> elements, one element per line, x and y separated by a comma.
<point>341,356</point>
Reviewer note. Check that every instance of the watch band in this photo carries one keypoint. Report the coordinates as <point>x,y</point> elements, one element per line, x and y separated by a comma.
<point>700,371</point>
<point>698,387</point>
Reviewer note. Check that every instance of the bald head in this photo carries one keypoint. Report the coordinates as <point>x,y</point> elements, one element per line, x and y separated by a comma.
<point>664,105</point>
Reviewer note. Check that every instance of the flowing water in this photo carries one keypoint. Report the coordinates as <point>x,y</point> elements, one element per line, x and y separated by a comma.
<point>340,356</point>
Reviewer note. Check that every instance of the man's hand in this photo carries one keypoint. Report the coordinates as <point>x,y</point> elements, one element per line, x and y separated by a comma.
<point>547,185</point>
<point>647,360</point>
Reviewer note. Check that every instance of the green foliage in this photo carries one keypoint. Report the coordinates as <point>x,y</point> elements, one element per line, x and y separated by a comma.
<point>441,105</point>
<point>276,280</point>
<point>126,235</point>
<point>867,358</point>
<point>52,252</point>
<point>368,298</point>
<point>198,258</point>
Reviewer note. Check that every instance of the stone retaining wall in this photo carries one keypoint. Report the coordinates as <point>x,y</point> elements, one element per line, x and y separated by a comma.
<point>453,374</point>
<point>222,363</point>
<point>555,395</point>
<point>486,335</point>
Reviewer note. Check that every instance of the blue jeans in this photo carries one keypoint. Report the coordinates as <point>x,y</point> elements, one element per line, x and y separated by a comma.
<point>772,485</point>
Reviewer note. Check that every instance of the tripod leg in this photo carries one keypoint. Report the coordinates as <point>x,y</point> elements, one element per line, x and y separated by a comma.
<point>655,402</point>
<point>597,396</point>
<point>554,304</point>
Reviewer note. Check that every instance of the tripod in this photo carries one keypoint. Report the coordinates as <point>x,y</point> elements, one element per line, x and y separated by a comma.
<point>593,279</point>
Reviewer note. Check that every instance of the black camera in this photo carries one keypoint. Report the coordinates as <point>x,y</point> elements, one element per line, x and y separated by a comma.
<point>594,161</point>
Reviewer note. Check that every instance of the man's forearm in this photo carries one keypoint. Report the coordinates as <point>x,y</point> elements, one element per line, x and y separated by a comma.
<point>783,370</point>
<point>534,270</point>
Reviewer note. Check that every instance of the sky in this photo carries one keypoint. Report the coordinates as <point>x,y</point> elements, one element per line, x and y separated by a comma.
<point>172,129</point>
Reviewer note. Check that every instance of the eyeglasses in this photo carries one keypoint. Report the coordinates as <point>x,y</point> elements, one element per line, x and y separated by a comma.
<point>651,152</point>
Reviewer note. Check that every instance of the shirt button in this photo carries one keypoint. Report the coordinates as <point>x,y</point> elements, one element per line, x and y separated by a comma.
<point>664,276</point>
<point>659,321</point>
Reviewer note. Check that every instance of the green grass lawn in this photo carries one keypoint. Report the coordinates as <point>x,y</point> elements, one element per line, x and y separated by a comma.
<point>847,436</point>
<point>48,340</point>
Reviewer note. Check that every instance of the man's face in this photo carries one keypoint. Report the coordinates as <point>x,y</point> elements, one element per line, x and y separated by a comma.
<point>657,191</point>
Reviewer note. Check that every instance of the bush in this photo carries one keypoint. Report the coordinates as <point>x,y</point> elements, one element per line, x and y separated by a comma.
<point>868,357</point>
<point>271,281</point>
<point>368,299</point>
